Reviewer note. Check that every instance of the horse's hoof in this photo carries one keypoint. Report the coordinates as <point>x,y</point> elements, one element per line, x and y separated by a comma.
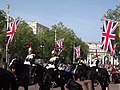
<point>107,88</point>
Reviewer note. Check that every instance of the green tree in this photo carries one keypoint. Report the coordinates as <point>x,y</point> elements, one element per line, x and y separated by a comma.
<point>113,14</point>
<point>2,30</point>
<point>48,37</point>
<point>2,20</point>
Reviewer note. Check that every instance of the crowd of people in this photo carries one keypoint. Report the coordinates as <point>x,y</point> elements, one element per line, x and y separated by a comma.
<point>114,72</point>
<point>53,62</point>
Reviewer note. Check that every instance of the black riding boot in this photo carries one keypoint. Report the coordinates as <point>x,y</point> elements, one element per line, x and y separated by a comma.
<point>31,75</point>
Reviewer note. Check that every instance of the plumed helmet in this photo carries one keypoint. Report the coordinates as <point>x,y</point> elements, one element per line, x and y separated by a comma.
<point>53,51</point>
<point>82,61</point>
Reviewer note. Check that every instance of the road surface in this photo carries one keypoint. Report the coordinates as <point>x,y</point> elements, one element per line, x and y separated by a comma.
<point>111,87</point>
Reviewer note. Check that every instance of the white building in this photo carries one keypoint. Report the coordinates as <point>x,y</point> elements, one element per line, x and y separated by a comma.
<point>95,52</point>
<point>37,27</point>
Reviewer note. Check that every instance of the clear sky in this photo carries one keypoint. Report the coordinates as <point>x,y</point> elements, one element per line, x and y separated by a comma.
<point>82,16</point>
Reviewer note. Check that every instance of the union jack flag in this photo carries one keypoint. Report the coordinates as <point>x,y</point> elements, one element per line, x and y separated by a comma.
<point>60,45</point>
<point>108,35</point>
<point>77,49</point>
<point>12,27</point>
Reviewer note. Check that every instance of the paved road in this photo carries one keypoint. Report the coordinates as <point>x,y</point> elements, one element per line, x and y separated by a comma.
<point>111,86</point>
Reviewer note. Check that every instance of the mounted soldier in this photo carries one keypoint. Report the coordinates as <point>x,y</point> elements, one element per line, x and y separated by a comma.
<point>30,63</point>
<point>53,61</point>
<point>52,68</point>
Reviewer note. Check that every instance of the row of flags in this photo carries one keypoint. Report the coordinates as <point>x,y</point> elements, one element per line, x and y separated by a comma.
<point>108,37</point>
<point>60,47</point>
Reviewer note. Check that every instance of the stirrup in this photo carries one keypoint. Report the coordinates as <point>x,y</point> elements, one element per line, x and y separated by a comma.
<point>53,83</point>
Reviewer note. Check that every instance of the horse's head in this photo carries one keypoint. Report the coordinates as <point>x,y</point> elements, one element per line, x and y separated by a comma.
<point>15,62</point>
<point>81,71</point>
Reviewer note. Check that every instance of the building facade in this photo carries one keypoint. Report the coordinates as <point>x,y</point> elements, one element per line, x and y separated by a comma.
<point>37,27</point>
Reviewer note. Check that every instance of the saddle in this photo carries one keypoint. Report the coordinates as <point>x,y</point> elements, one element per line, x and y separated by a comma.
<point>53,73</point>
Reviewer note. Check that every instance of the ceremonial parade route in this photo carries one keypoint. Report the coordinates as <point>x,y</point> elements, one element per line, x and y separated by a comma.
<point>111,87</point>
<point>67,43</point>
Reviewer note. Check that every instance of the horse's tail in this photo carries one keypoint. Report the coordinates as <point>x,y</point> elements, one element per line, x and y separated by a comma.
<point>108,78</point>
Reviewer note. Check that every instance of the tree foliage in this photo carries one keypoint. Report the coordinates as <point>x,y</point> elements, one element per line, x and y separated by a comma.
<point>113,14</point>
<point>70,40</point>
<point>2,20</point>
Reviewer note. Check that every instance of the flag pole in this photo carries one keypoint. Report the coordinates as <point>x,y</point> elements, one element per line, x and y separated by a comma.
<point>55,35</point>
<point>7,62</point>
<point>74,50</point>
<point>55,43</point>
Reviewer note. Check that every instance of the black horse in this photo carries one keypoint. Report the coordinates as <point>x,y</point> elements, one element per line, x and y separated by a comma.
<point>7,80</point>
<point>27,75</point>
<point>58,78</point>
<point>94,74</point>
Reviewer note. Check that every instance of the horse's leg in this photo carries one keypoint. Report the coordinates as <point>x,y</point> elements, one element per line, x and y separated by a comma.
<point>62,88</point>
<point>25,87</point>
<point>93,84</point>
<point>44,87</point>
<point>89,84</point>
<point>106,85</point>
<point>103,87</point>
<point>7,87</point>
<point>41,86</point>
